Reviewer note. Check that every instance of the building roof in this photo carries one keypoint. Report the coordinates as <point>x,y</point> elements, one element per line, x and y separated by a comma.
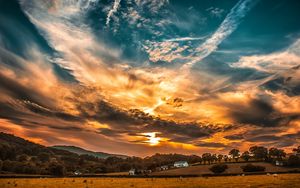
<point>180,162</point>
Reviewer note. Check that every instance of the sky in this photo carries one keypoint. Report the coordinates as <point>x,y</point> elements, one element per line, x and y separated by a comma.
<point>138,77</point>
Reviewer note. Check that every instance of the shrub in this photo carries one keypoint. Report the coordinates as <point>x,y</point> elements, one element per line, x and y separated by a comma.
<point>1,163</point>
<point>44,157</point>
<point>253,168</point>
<point>8,166</point>
<point>294,161</point>
<point>218,168</point>
<point>57,170</point>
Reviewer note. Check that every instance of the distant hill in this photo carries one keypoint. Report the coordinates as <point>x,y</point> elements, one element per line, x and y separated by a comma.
<point>81,151</point>
<point>11,146</point>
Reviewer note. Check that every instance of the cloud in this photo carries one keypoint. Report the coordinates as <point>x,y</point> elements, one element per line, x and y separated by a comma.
<point>112,11</point>
<point>229,25</point>
<point>211,145</point>
<point>111,103</point>
<point>264,138</point>
<point>184,39</point>
<point>281,68</point>
<point>234,137</point>
<point>166,51</point>
<point>215,12</point>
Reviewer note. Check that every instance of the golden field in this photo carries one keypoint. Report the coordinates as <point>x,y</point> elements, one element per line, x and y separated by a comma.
<point>282,180</point>
<point>233,168</point>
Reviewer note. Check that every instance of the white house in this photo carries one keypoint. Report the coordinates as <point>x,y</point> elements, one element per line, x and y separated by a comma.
<point>180,164</point>
<point>279,163</point>
<point>165,167</point>
<point>77,173</point>
<point>131,172</point>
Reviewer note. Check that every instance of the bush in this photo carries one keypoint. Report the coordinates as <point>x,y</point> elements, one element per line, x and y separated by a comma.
<point>57,170</point>
<point>218,168</point>
<point>253,168</point>
<point>8,166</point>
<point>43,157</point>
<point>294,161</point>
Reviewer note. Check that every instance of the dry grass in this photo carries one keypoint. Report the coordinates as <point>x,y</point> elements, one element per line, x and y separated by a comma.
<point>282,180</point>
<point>233,168</point>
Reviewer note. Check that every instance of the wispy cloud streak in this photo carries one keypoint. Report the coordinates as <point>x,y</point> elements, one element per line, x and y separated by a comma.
<point>184,39</point>
<point>112,11</point>
<point>228,26</point>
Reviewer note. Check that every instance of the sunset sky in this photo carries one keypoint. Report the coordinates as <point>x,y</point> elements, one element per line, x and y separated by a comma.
<point>138,77</point>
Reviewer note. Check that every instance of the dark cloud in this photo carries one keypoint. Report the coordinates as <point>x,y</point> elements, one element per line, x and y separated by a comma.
<point>211,144</point>
<point>20,92</point>
<point>261,113</point>
<point>234,137</point>
<point>50,113</point>
<point>264,138</point>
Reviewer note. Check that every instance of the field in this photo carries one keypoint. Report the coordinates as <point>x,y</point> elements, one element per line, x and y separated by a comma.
<point>282,180</point>
<point>233,168</point>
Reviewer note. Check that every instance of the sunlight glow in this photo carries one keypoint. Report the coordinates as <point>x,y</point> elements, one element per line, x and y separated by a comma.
<point>152,139</point>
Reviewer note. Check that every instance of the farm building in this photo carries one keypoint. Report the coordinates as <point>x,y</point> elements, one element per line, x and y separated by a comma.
<point>165,167</point>
<point>280,163</point>
<point>180,164</point>
<point>77,173</point>
<point>131,172</point>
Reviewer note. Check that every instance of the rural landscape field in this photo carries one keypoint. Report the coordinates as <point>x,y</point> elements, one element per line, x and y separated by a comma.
<point>264,181</point>
<point>149,93</point>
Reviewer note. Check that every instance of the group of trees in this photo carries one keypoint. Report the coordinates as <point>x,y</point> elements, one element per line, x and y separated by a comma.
<point>257,153</point>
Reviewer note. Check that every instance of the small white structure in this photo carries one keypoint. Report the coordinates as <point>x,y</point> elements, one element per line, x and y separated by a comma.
<point>180,164</point>
<point>77,173</point>
<point>165,167</point>
<point>279,163</point>
<point>131,172</point>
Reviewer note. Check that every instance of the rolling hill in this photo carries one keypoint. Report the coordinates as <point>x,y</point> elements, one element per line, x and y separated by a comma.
<point>81,151</point>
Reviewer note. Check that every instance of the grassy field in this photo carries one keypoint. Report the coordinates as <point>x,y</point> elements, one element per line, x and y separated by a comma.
<point>282,180</point>
<point>233,168</point>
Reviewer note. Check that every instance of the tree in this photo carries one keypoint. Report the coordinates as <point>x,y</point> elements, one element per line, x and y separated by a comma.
<point>225,158</point>
<point>44,157</point>
<point>206,157</point>
<point>214,158</point>
<point>259,152</point>
<point>8,166</point>
<point>220,157</point>
<point>294,161</point>
<point>275,153</point>
<point>235,153</point>
<point>57,169</point>
<point>246,156</point>
<point>297,150</point>
<point>22,158</point>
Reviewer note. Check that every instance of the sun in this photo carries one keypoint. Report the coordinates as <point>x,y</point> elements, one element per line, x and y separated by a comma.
<point>152,139</point>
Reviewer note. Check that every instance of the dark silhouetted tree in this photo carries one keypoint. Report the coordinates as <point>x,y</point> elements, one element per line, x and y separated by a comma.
<point>294,161</point>
<point>275,153</point>
<point>259,152</point>
<point>225,158</point>
<point>297,150</point>
<point>235,153</point>
<point>246,156</point>
<point>22,157</point>
<point>220,157</point>
<point>57,169</point>
<point>206,157</point>
<point>44,157</point>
